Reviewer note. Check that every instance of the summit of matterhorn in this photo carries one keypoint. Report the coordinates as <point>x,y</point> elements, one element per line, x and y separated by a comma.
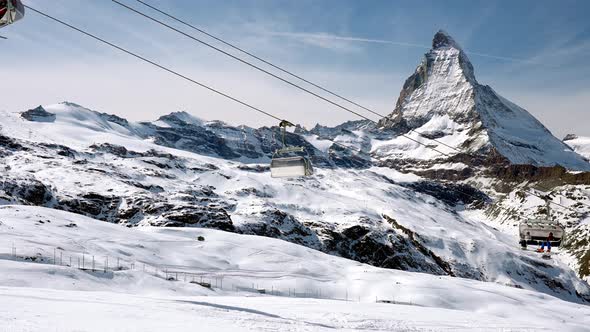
<point>443,39</point>
<point>442,99</point>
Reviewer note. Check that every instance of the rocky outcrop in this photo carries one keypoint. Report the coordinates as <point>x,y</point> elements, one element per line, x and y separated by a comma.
<point>27,191</point>
<point>520,173</point>
<point>281,225</point>
<point>38,114</point>
<point>451,193</point>
<point>9,145</point>
<point>92,205</point>
<point>577,243</point>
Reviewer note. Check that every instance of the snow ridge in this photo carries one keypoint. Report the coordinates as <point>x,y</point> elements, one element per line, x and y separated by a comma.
<point>579,144</point>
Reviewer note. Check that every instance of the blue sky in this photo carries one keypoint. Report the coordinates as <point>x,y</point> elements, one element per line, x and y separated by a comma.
<point>532,52</point>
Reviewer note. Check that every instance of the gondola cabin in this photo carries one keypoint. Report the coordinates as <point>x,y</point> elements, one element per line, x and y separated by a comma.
<point>10,12</point>
<point>290,161</point>
<point>290,167</point>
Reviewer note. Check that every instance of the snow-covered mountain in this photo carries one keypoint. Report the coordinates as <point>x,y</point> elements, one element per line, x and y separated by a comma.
<point>580,144</point>
<point>443,100</point>
<point>68,122</point>
<point>388,202</point>
<point>167,173</point>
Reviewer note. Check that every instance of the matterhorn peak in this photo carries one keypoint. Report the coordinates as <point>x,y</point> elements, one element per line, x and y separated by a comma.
<point>442,99</point>
<point>446,49</point>
<point>443,39</point>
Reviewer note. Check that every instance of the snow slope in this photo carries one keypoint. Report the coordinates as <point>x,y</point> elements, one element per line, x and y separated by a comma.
<point>101,311</point>
<point>443,100</point>
<point>67,299</point>
<point>580,144</point>
<point>374,215</point>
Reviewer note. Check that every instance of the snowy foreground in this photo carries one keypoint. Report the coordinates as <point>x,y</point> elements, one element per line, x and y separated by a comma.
<point>131,292</point>
<point>106,311</point>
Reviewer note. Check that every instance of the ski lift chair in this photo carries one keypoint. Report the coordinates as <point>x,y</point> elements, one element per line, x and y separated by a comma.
<point>536,231</point>
<point>290,161</point>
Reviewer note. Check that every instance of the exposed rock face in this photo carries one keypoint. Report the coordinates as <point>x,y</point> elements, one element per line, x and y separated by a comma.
<point>91,204</point>
<point>115,119</point>
<point>28,191</point>
<point>38,114</point>
<point>191,137</point>
<point>9,145</point>
<point>180,130</point>
<point>279,224</point>
<point>446,69</point>
<point>556,174</point>
<point>578,244</point>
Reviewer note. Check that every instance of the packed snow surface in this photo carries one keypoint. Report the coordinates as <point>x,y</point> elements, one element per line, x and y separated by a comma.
<point>36,294</point>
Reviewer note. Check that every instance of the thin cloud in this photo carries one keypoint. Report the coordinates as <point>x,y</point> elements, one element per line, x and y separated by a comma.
<point>314,37</point>
<point>326,36</point>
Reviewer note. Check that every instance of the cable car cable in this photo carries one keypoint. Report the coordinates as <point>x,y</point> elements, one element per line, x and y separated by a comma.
<point>267,72</point>
<point>154,63</point>
<point>236,58</point>
<point>264,71</point>
<point>557,194</point>
<point>207,87</point>
<point>282,69</point>
<point>168,70</point>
